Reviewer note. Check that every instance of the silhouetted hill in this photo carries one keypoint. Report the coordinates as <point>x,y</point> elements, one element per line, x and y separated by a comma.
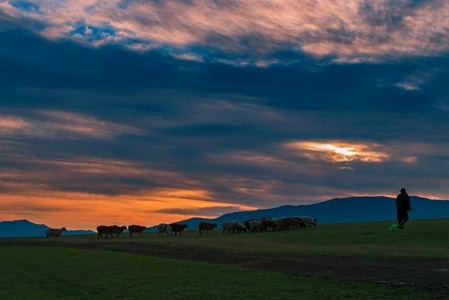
<point>341,210</point>
<point>25,228</point>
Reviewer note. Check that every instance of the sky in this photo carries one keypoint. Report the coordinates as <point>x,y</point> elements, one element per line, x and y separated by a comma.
<point>143,112</point>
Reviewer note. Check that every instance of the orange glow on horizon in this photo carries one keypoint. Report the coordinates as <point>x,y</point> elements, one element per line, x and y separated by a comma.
<point>87,211</point>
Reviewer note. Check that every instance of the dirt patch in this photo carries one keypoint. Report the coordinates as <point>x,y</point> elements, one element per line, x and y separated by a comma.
<point>422,273</point>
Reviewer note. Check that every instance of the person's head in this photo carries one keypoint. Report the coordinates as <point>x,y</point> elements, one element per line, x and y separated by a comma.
<point>402,191</point>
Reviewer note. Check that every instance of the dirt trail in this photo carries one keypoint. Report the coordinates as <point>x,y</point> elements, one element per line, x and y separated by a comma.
<point>423,273</point>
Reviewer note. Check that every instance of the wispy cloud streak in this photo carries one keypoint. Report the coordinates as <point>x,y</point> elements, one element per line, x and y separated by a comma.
<point>349,31</point>
<point>59,124</point>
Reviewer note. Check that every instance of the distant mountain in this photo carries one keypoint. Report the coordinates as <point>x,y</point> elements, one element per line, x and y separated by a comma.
<point>340,210</point>
<point>21,228</point>
<point>25,228</point>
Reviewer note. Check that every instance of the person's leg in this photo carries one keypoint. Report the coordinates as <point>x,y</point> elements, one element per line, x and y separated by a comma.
<point>404,220</point>
<point>401,215</point>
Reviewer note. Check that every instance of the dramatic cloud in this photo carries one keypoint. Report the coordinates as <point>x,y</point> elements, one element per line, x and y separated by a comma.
<point>154,111</point>
<point>348,31</point>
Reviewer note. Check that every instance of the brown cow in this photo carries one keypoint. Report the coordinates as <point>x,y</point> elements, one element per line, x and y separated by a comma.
<point>118,229</point>
<point>178,228</point>
<point>268,225</point>
<point>287,223</point>
<point>206,226</point>
<point>104,230</point>
<point>136,229</point>
<point>109,230</point>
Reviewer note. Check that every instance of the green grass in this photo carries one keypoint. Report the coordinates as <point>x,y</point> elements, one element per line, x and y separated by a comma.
<point>420,239</point>
<point>49,272</point>
<point>63,273</point>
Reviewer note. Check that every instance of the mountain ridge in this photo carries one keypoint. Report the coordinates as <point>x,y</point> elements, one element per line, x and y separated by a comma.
<point>26,228</point>
<point>341,210</point>
<point>337,210</point>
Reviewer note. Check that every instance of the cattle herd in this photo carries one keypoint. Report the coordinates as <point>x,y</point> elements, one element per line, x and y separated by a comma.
<point>258,225</point>
<point>172,229</point>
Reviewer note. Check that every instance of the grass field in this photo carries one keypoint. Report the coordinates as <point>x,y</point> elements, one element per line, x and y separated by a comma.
<point>57,271</point>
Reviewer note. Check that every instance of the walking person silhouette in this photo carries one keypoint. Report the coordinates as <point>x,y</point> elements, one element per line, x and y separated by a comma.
<point>403,207</point>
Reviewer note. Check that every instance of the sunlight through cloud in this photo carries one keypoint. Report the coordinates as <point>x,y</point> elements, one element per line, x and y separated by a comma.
<point>340,152</point>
